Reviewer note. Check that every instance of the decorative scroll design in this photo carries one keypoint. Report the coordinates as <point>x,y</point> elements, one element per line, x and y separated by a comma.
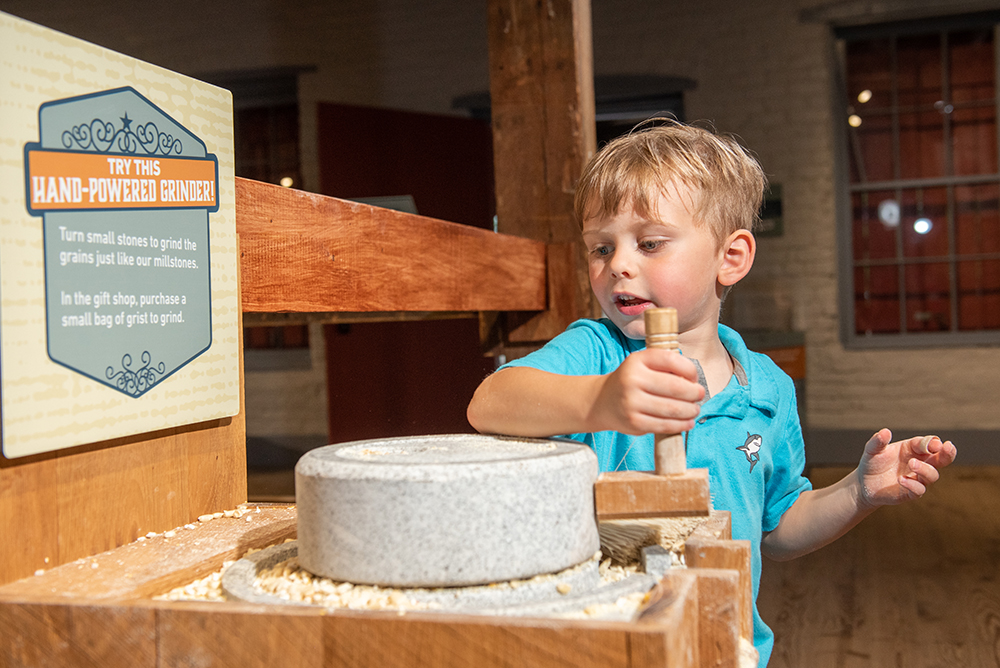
<point>138,381</point>
<point>102,137</point>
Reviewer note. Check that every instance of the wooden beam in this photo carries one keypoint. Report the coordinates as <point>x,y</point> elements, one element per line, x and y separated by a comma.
<point>542,99</point>
<point>302,252</point>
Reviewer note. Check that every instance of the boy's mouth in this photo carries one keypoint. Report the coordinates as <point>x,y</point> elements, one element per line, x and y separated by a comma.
<point>631,306</point>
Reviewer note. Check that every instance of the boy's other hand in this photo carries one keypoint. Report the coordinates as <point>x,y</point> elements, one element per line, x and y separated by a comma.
<point>652,392</point>
<point>891,473</point>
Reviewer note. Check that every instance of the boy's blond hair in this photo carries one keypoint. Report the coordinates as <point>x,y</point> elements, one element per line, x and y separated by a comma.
<point>632,170</point>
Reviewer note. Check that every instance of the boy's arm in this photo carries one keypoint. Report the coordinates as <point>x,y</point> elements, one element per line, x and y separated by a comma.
<point>889,474</point>
<point>653,391</point>
<point>523,401</point>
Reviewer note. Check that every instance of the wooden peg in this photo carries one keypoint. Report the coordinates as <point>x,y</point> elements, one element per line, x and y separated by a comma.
<point>671,490</point>
<point>661,332</point>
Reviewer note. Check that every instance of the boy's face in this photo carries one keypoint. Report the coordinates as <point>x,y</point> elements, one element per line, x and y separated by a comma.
<point>665,259</point>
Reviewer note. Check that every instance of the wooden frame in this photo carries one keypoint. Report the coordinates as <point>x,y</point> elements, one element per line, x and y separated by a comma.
<point>97,612</point>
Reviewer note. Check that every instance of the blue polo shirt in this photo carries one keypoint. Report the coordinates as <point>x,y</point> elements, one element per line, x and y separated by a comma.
<point>748,436</point>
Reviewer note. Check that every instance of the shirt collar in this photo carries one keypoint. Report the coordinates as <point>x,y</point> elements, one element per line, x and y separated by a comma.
<point>760,387</point>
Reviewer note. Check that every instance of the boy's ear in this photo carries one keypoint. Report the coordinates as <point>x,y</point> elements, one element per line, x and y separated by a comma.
<point>737,257</point>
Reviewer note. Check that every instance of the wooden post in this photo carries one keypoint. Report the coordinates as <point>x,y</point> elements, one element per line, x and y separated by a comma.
<point>708,553</point>
<point>661,332</point>
<point>542,98</point>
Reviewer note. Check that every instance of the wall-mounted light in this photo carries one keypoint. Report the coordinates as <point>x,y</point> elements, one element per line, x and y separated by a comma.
<point>922,225</point>
<point>864,96</point>
<point>286,182</point>
<point>854,120</point>
<point>888,212</point>
<point>943,108</point>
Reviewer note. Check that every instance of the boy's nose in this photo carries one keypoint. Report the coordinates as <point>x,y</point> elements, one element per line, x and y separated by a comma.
<point>621,266</point>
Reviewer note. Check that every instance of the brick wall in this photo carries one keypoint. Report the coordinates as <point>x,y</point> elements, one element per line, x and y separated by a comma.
<point>765,76</point>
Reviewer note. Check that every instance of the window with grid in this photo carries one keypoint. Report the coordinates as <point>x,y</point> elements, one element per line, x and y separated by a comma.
<point>921,131</point>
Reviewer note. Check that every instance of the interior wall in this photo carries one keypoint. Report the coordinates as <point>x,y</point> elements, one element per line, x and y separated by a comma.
<point>391,379</point>
<point>444,162</point>
<point>763,74</point>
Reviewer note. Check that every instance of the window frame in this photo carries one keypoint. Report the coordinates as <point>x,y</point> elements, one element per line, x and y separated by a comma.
<point>845,190</point>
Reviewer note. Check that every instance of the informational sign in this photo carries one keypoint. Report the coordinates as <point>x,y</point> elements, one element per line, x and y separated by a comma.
<point>119,311</point>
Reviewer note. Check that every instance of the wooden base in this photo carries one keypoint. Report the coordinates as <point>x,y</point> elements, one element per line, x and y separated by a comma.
<point>153,566</point>
<point>60,618</point>
<point>59,506</point>
<point>155,634</point>
<point>627,494</point>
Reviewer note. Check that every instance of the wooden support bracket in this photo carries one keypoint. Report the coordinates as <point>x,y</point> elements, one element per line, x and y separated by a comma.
<point>674,604</point>
<point>718,616</point>
<point>625,494</point>
<point>703,550</point>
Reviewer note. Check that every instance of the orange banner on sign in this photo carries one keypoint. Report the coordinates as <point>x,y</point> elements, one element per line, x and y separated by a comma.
<point>63,180</point>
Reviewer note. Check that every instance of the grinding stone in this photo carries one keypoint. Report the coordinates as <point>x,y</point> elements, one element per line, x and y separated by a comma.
<point>238,584</point>
<point>444,511</point>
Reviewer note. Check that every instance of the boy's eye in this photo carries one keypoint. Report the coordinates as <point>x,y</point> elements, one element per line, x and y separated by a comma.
<point>650,244</point>
<point>601,251</point>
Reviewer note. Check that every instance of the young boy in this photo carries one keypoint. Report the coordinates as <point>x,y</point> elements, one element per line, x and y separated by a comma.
<point>666,213</point>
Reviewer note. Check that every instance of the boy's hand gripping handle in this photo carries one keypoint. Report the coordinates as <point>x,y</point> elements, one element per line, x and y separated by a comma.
<point>661,332</point>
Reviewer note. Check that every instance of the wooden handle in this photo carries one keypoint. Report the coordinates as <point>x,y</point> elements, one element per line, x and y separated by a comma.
<point>661,332</point>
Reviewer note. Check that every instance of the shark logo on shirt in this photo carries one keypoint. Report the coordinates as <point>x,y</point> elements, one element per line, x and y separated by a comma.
<point>751,448</point>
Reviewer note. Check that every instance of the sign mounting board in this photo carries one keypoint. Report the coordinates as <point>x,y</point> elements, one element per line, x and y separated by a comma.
<point>119,305</point>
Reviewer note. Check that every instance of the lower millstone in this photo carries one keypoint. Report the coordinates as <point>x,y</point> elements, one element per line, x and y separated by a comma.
<point>272,576</point>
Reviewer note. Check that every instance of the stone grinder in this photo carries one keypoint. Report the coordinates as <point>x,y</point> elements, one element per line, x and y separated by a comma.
<point>485,524</point>
<point>445,511</point>
<point>457,513</point>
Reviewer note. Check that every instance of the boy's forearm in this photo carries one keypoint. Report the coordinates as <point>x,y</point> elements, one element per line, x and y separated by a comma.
<point>817,518</point>
<point>522,401</point>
